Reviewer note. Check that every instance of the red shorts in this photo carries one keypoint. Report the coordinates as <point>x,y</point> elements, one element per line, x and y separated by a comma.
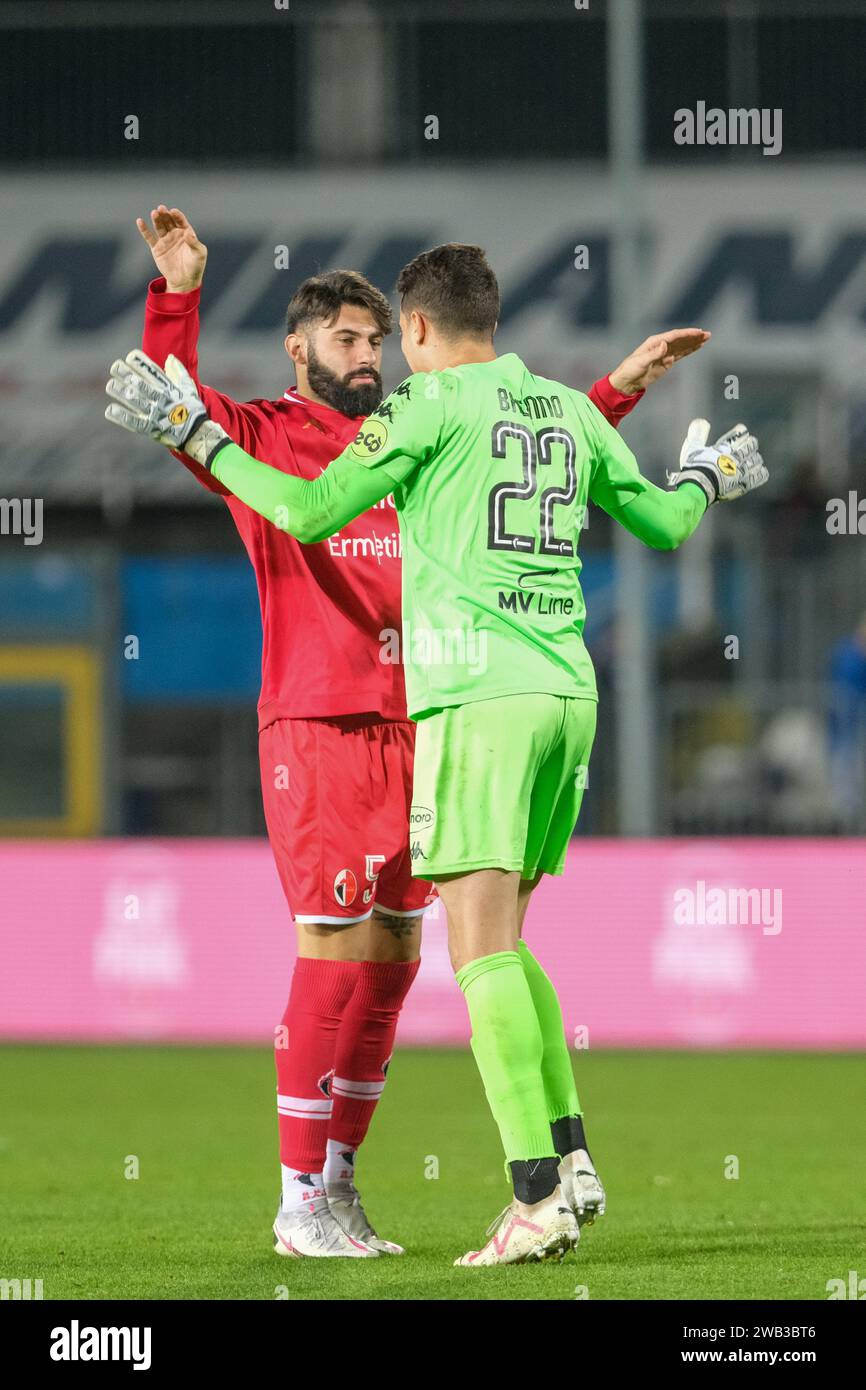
<point>337,794</point>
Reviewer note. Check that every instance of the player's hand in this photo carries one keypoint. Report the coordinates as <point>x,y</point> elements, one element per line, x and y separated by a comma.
<point>177,251</point>
<point>728,469</point>
<point>655,357</point>
<point>164,405</point>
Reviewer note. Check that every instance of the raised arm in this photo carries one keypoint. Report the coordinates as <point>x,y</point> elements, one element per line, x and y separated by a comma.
<point>617,394</point>
<point>171,322</point>
<point>664,518</point>
<point>165,405</point>
<point>659,518</point>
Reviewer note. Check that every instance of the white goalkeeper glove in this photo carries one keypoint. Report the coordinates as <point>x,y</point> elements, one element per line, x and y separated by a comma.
<point>165,405</point>
<point>728,469</point>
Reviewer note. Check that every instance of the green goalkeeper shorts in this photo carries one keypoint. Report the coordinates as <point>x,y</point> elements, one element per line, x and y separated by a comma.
<point>498,784</point>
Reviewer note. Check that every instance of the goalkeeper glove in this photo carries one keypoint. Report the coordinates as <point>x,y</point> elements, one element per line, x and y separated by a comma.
<point>728,469</point>
<point>165,405</point>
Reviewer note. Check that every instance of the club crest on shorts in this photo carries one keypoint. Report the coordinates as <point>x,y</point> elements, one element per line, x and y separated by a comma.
<point>345,887</point>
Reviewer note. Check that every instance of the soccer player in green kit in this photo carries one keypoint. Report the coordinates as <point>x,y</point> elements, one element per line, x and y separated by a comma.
<point>491,469</point>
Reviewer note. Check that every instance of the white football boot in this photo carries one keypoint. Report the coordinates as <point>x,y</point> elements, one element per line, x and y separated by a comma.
<point>304,1232</point>
<point>344,1201</point>
<point>528,1234</point>
<point>581,1186</point>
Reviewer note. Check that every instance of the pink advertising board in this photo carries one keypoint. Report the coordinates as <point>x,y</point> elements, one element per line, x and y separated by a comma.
<point>672,943</point>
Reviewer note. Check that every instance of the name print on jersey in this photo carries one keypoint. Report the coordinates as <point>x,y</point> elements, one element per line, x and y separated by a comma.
<point>533,407</point>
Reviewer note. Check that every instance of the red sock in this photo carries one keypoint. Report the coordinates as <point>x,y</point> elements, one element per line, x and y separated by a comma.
<point>364,1046</point>
<point>321,990</point>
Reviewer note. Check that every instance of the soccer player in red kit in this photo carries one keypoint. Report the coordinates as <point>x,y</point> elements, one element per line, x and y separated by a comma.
<point>336,746</point>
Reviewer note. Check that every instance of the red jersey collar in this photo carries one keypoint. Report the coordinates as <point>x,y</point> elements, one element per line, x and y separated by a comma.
<point>326,413</point>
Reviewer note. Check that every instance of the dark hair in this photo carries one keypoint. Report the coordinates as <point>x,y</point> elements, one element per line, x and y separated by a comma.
<point>455,286</point>
<point>321,297</point>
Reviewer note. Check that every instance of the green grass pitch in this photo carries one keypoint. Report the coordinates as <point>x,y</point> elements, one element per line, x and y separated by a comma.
<point>195,1223</point>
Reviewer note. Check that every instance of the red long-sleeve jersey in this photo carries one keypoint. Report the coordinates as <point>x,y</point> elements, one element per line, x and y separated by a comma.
<point>323,606</point>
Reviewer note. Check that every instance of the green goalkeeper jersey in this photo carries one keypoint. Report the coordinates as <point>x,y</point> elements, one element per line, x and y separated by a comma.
<point>493,468</point>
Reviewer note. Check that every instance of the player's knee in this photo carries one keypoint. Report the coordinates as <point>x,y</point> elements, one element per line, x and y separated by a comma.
<point>400,937</point>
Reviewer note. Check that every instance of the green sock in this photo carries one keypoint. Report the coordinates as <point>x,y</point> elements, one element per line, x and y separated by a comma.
<point>559,1089</point>
<point>508,1047</point>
